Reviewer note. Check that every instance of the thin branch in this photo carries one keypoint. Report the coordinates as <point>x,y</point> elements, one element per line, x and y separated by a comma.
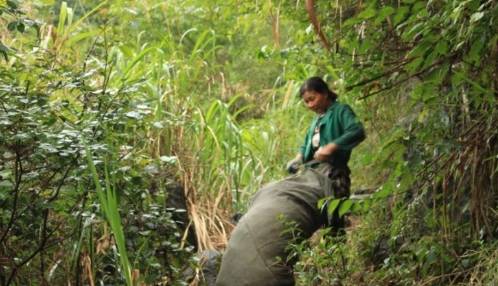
<point>19,173</point>
<point>419,73</point>
<point>379,76</point>
<point>41,247</point>
<point>44,238</point>
<point>61,183</point>
<point>310,7</point>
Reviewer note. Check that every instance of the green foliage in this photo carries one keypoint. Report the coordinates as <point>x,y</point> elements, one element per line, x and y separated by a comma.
<point>424,71</point>
<point>109,204</point>
<point>203,93</point>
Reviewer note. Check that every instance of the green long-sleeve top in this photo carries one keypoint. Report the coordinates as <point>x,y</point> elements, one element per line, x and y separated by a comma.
<point>338,125</point>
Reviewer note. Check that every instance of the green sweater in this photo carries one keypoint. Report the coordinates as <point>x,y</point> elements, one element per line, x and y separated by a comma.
<point>338,125</point>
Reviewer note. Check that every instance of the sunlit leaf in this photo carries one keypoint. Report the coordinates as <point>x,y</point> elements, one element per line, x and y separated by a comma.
<point>345,207</point>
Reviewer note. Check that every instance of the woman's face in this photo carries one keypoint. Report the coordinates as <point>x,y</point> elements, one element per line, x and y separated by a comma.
<point>316,102</point>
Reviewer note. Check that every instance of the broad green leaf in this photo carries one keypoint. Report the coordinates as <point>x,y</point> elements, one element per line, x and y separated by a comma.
<point>332,205</point>
<point>357,207</point>
<point>367,13</point>
<point>345,207</point>
<point>12,26</point>
<point>21,27</point>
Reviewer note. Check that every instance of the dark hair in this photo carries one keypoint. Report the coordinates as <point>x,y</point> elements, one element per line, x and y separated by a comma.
<point>318,85</point>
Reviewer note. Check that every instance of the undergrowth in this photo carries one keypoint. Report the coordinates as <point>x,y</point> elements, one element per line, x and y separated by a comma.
<point>202,95</point>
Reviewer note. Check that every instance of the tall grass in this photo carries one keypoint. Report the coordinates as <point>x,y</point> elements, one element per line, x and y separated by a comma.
<point>221,161</point>
<point>109,204</point>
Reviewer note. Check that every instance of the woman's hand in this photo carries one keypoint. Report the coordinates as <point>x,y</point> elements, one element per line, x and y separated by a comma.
<point>293,165</point>
<point>324,153</point>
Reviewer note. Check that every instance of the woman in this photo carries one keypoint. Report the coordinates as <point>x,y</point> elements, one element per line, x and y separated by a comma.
<point>286,211</point>
<point>333,134</point>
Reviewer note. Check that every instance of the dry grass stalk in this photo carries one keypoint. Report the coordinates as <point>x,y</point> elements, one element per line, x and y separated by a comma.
<point>87,269</point>
<point>275,24</point>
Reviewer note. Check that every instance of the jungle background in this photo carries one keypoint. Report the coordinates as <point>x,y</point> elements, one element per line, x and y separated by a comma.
<point>113,112</point>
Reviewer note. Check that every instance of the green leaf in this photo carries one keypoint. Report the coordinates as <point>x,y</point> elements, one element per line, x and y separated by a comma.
<point>384,13</point>
<point>321,203</point>
<point>70,15</point>
<point>420,49</point>
<point>413,31</point>
<point>367,13</point>
<point>352,21</point>
<point>21,27</point>
<point>345,207</point>
<point>12,4</point>
<point>62,19</point>
<point>419,6</point>
<point>476,17</point>
<point>81,36</point>
<point>400,15</point>
<point>332,206</point>
<point>366,205</point>
<point>136,60</point>
<point>366,46</point>
<point>384,192</point>
<point>4,50</point>
<point>442,47</point>
<point>412,67</point>
<point>357,207</point>
<point>12,26</point>
<point>475,51</point>
<point>81,19</point>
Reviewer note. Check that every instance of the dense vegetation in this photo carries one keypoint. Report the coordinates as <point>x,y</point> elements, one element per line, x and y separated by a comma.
<point>108,109</point>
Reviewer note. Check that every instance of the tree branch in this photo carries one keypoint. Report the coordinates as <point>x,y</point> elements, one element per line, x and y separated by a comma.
<point>379,76</point>
<point>310,7</point>
<point>419,73</point>
<point>18,175</point>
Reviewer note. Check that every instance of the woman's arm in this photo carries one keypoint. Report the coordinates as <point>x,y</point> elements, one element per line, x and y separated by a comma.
<point>353,133</point>
<point>324,152</point>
